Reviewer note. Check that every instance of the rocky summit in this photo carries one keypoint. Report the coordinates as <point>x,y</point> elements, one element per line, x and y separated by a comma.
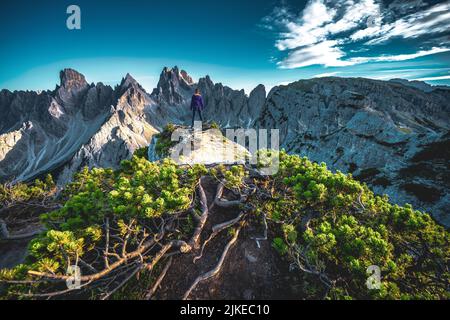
<point>393,135</point>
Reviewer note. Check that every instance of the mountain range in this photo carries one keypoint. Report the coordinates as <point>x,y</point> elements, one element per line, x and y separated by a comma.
<point>393,135</point>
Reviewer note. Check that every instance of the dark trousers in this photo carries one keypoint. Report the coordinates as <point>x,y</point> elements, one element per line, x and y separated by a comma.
<point>194,110</point>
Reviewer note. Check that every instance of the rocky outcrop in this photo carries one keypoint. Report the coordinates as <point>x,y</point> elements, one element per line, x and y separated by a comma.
<point>206,147</point>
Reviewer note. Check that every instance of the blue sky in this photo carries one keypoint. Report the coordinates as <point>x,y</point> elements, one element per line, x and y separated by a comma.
<point>239,43</point>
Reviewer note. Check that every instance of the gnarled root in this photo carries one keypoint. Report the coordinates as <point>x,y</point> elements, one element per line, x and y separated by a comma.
<point>220,202</point>
<point>302,262</point>
<point>158,281</point>
<point>217,268</point>
<point>194,242</point>
<point>216,230</point>
<point>122,283</point>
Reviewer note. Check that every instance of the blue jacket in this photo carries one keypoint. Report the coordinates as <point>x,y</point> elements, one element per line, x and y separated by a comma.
<point>197,102</point>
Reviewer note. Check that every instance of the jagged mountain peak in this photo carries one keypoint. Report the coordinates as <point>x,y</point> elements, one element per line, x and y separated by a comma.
<point>259,87</point>
<point>131,95</point>
<point>175,75</point>
<point>206,80</point>
<point>73,86</point>
<point>174,86</point>
<point>128,81</point>
<point>169,72</point>
<point>131,92</point>
<point>186,77</point>
<point>72,78</point>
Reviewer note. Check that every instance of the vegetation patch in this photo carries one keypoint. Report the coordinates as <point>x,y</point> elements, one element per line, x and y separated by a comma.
<point>141,153</point>
<point>333,228</point>
<point>164,141</point>
<point>119,225</point>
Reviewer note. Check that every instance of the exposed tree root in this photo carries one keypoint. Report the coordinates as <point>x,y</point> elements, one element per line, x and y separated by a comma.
<point>52,294</point>
<point>115,266</point>
<point>217,268</point>
<point>302,262</point>
<point>220,202</point>
<point>158,281</point>
<point>119,265</point>
<point>122,283</point>
<point>194,242</point>
<point>222,226</point>
<point>360,206</point>
<point>92,277</point>
<point>216,230</point>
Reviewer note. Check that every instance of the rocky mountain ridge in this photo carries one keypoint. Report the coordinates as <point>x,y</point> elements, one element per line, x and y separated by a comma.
<point>376,130</point>
<point>390,134</point>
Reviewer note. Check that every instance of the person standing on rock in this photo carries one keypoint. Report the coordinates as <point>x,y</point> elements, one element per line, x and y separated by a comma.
<point>197,105</point>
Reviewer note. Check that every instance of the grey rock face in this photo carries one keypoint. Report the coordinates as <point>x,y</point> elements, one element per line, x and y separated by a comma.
<point>125,130</point>
<point>52,126</point>
<point>415,84</point>
<point>73,84</point>
<point>228,107</point>
<point>174,87</point>
<point>373,129</point>
<point>98,100</point>
<point>256,101</point>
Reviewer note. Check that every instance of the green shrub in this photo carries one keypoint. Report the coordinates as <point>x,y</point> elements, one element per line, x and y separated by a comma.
<point>352,230</point>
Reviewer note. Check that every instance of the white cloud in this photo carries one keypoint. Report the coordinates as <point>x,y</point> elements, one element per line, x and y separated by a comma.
<point>309,29</point>
<point>327,74</point>
<point>433,78</point>
<point>435,19</point>
<point>325,53</point>
<point>400,57</point>
<point>356,12</point>
<point>318,21</point>
<point>318,35</point>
